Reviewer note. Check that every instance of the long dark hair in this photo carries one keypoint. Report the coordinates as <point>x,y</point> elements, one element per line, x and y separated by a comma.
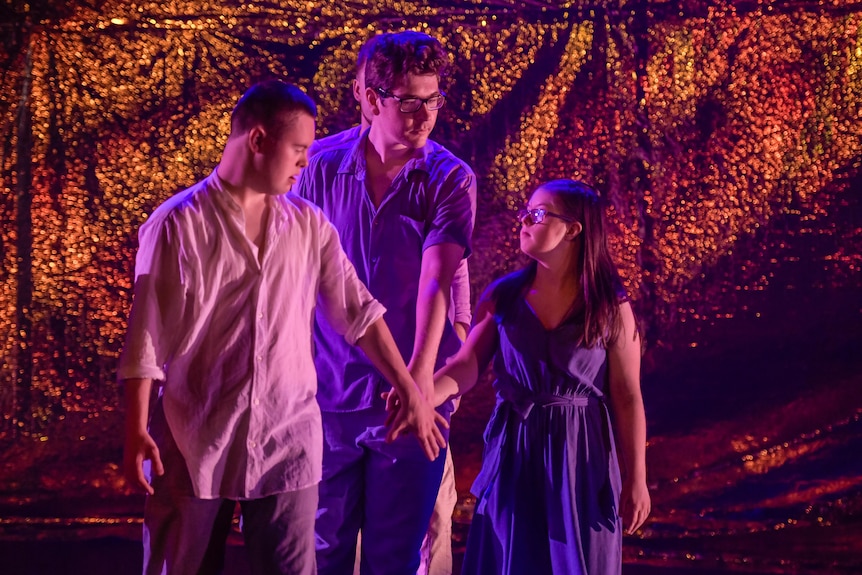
<point>603,291</point>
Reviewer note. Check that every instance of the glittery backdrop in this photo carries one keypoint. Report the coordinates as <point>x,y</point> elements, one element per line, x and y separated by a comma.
<point>725,134</point>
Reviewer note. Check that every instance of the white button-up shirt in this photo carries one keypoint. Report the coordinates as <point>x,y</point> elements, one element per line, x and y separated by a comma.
<point>230,335</point>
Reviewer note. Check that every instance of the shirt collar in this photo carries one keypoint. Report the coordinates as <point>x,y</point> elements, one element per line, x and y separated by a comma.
<point>354,160</point>
<point>228,205</point>
<point>220,194</point>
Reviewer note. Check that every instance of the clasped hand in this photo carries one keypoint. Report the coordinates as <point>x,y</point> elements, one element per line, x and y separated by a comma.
<point>416,415</point>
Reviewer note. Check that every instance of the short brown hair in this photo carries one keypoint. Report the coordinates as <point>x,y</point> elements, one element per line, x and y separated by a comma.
<point>394,55</point>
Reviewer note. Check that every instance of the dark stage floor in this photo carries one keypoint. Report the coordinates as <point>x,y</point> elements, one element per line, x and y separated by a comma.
<point>753,457</point>
<point>113,556</point>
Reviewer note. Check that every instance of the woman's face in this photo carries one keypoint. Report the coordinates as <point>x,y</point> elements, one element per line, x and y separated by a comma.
<point>549,235</point>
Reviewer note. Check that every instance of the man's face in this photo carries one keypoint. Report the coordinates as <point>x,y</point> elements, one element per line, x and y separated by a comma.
<point>282,154</point>
<point>402,129</point>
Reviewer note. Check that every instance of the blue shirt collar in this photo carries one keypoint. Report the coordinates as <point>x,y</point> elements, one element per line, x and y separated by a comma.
<point>354,161</point>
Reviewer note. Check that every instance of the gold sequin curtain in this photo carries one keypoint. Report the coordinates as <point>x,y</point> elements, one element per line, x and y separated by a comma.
<point>725,135</point>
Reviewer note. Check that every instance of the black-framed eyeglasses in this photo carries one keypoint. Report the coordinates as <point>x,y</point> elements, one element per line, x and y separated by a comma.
<point>537,216</point>
<point>412,104</point>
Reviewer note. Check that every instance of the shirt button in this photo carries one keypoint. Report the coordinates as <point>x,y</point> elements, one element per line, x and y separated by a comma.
<point>260,358</point>
<point>252,444</point>
<point>260,316</point>
<point>256,401</point>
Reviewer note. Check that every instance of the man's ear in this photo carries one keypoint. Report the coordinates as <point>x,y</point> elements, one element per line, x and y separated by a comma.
<point>255,138</point>
<point>373,99</point>
<point>574,230</point>
<point>357,91</point>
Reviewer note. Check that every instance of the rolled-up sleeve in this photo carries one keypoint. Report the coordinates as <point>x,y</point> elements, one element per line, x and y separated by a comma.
<point>343,299</point>
<point>156,308</point>
<point>461,312</point>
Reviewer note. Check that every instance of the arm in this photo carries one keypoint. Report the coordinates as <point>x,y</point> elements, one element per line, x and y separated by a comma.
<point>447,243</point>
<point>462,372</point>
<point>461,301</point>
<point>439,262</point>
<point>153,324</point>
<point>139,444</point>
<point>463,317</point>
<point>461,330</point>
<point>628,409</point>
<point>417,415</point>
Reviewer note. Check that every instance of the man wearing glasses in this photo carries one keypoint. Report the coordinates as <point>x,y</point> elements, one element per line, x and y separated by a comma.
<point>436,550</point>
<point>404,213</point>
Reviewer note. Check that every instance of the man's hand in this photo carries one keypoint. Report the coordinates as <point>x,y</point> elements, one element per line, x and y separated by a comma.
<point>139,447</point>
<point>416,416</point>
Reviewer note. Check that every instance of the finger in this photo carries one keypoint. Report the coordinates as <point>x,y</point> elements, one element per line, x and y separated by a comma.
<point>441,420</point>
<point>393,403</point>
<point>140,479</point>
<point>636,520</point>
<point>156,459</point>
<point>642,517</point>
<point>390,417</point>
<point>438,437</point>
<point>395,431</point>
<point>432,441</point>
<point>430,448</point>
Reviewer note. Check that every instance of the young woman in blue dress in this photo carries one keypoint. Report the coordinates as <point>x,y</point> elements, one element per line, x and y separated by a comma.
<point>566,351</point>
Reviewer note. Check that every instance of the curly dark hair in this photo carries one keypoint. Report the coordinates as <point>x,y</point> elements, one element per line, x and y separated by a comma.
<point>393,55</point>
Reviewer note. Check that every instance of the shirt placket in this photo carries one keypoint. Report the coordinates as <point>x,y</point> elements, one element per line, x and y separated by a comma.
<point>375,241</point>
<point>260,370</point>
<point>376,238</point>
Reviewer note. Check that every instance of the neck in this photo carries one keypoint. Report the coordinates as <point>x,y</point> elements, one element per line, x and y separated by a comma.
<point>389,155</point>
<point>555,273</point>
<point>234,173</point>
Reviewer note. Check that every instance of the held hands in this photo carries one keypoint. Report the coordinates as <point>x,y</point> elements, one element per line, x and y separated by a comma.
<point>139,447</point>
<point>414,414</point>
<point>634,505</point>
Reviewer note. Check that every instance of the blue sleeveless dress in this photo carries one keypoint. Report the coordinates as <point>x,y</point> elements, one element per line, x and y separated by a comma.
<point>548,491</point>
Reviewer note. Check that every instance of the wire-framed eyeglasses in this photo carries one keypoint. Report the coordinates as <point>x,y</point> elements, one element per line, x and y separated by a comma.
<point>538,215</point>
<point>412,104</point>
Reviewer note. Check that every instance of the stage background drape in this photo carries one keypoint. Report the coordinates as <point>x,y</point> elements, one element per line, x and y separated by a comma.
<point>725,135</point>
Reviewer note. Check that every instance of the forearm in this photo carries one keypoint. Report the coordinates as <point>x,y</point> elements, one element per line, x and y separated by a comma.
<point>439,263</point>
<point>461,330</point>
<point>377,343</point>
<point>631,430</point>
<point>455,378</point>
<point>430,320</point>
<point>137,395</point>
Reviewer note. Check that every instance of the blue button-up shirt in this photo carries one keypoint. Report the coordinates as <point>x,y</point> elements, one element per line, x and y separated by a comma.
<point>427,204</point>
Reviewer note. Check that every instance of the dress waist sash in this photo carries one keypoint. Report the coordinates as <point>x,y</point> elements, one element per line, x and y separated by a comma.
<point>521,402</point>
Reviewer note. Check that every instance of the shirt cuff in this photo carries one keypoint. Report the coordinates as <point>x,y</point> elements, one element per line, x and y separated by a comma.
<point>370,313</point>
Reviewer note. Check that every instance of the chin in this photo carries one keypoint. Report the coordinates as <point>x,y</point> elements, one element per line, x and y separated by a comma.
<point>415,140</point>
